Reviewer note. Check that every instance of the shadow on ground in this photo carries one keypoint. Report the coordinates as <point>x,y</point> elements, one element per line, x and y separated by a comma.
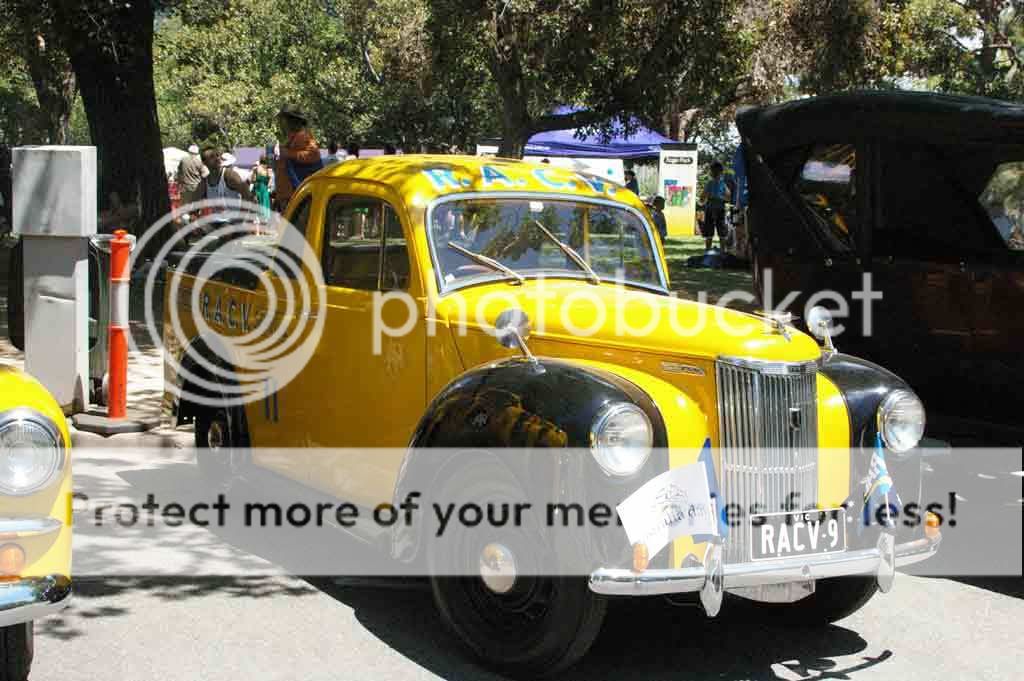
<point>641,639</point>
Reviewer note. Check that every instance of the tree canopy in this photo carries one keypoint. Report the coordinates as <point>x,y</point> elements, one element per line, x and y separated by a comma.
<point>135,75</point>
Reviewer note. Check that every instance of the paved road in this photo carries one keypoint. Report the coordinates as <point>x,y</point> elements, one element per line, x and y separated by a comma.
<point>286,628</point>
<point>281,627</point>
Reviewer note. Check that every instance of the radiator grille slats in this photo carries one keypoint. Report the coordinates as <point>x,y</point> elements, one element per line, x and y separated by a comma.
<point>768,425</point>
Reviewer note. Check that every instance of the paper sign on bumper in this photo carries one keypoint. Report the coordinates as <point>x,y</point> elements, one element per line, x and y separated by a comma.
<point>674,504</point>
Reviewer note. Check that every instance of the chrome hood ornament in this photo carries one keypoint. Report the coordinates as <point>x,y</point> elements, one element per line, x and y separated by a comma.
<point>779,322</point>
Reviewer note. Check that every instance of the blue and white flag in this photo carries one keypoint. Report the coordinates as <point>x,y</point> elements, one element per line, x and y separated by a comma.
<point>716,494</point>
<point>878,488</point>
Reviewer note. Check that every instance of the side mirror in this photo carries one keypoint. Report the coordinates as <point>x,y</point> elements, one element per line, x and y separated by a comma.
<point>512,329</point>
<point>819,323</point>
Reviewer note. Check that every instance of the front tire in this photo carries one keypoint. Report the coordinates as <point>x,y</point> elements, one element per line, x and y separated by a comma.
<point>16,651</point>
<point>530,626</point>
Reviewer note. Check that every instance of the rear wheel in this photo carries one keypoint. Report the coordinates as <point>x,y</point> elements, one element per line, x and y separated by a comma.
<point>485,587</point>
<point>220,441</point>
<point>16,650</point>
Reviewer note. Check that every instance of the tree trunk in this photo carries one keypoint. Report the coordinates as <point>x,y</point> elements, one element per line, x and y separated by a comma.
<point>54,82</point>
<point>115,74</point>
<point>507,71</point>
<point>515,132</point>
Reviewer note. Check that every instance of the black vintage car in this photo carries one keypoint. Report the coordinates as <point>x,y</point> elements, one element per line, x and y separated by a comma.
<point>925,193</point>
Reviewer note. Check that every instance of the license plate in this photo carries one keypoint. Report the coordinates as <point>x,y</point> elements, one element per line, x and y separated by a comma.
<point>797,533</point>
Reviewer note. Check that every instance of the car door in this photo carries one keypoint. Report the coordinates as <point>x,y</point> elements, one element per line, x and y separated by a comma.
<point>369,386</point>
<point>997,294</point>
<point>279,423</point>
<point>925,226</point>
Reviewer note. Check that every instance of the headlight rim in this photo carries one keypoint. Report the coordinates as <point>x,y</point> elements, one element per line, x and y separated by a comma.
<point>607,412</point>
<point>36,418</point>
<point>885,407</point>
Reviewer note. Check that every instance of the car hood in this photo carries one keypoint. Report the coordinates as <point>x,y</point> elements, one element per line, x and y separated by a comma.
<point>607,315</point>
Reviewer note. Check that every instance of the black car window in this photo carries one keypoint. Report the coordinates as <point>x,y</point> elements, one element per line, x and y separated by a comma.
<point>1003,201</point>
<point>356,230</point>
<point>827,185</point>
<point>925,211</point>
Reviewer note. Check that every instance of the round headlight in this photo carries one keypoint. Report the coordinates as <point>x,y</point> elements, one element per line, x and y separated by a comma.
<point>621,439</point>
<point>31,452</point>
<point>901,420</point>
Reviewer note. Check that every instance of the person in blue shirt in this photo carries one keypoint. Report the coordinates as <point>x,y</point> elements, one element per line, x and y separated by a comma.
<point>631,183</point>
<point>658,215</point>
<point>715,194</point>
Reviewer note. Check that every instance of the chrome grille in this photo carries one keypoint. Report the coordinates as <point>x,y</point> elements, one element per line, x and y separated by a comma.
<point>768,438</point>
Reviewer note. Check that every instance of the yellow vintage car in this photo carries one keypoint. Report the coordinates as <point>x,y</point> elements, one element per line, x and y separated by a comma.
<point>474,303</point>
<point>35,516</point>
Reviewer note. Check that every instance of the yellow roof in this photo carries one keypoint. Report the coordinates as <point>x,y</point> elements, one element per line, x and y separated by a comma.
<point>426,177</point>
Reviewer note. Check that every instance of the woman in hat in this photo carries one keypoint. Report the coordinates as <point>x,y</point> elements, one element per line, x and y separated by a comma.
<point>300,153</point>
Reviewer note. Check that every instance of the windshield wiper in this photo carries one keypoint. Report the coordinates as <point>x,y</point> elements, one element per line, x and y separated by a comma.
<point>487,262</point>
<point>572,255</point>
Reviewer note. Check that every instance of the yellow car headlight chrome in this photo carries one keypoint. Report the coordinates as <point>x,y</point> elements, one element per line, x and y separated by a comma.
<point>621,438</point>
<point>901,420</point>
<point>31,452</point>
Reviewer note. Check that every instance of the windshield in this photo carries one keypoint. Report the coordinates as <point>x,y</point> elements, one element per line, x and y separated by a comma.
<point>511,231</point>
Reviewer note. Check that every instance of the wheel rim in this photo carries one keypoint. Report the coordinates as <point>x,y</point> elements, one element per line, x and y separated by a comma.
<point>216,434</point>
<point>505,599</point>
<point>498,568</point>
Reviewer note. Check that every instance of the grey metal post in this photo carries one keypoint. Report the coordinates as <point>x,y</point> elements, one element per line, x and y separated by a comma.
<point>54,196</point>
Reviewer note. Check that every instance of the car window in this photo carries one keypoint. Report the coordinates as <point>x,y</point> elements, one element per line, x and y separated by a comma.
<point>827,185</point>
<point>356,230</point>
<point>925,211</point>
<point>1003,201</point>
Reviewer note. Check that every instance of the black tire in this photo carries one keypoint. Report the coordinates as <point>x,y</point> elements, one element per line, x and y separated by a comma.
<point>539,627</point>
<point>833,599</point>
<point>16,651</point>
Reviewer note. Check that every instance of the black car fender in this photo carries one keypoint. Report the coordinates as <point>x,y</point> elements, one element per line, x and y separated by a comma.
<point>545,406</point>
<point>863,385</point>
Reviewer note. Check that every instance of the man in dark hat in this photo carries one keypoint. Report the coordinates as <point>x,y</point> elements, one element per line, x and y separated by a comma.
<point>300,153</point>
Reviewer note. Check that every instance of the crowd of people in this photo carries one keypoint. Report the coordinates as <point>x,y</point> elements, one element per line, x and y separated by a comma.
<point>210,174</point>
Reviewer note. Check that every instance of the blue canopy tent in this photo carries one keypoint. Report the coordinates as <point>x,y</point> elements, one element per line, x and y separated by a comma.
<point>643,143</point>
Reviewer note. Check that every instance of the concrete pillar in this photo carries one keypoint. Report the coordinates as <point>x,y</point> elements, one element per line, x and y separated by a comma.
<point>55,214</point>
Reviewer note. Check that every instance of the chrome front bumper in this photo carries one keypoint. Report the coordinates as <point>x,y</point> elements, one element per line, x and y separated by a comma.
<point>32,598</point>
<point>880,561</point>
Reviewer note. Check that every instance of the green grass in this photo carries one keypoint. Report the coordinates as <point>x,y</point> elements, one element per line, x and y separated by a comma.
<point>689,282</point>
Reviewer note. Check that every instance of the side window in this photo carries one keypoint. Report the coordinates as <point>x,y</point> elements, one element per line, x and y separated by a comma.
<point>294,241</point>
<point>1003,201</point>
<point>926,212</point>
<point>827,184</point>
<point>363,243</point>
